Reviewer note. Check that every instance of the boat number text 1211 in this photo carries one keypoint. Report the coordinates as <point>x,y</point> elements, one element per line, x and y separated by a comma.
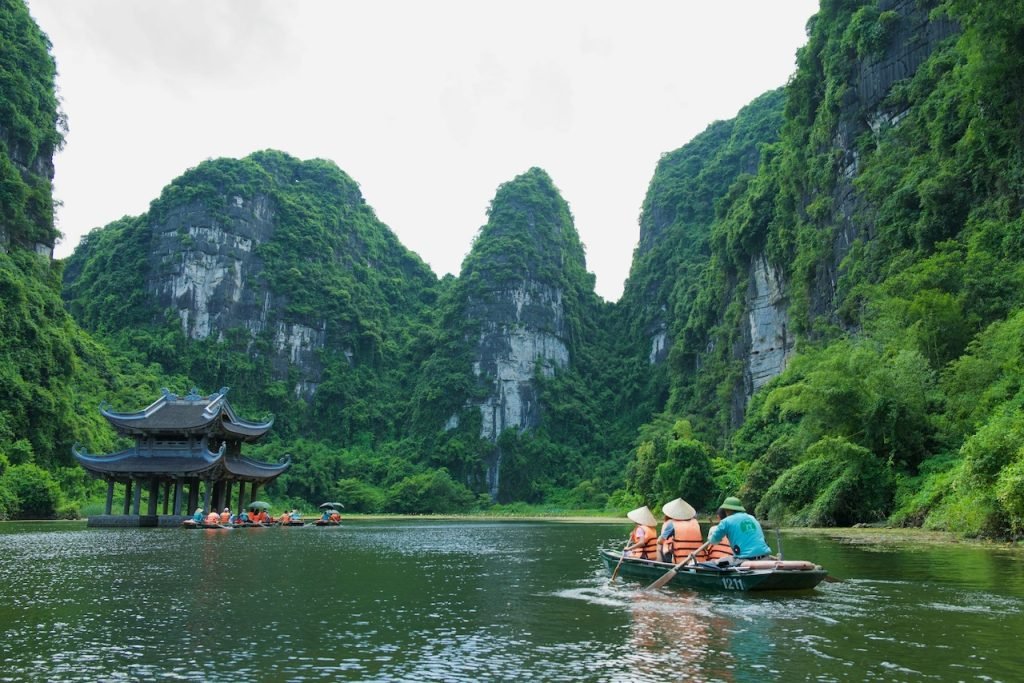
<point>732,583</point>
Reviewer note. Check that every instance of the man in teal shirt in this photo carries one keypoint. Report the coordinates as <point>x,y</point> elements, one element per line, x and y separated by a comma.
<point>743,530</point>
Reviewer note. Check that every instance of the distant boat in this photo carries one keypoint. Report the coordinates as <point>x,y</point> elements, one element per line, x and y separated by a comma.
<point>756,575</point>
<point>189,524</point>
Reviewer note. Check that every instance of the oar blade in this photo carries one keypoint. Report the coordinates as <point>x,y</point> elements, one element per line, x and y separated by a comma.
<point>665,578</point>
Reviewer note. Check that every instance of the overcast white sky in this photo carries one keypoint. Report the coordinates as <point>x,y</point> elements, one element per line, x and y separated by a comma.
<point>429,106</point>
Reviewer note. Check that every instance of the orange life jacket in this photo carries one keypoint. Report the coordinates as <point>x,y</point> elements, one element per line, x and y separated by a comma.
<point>335,517</point>
<point>225,517</point>
<point>685,539</point>
<point>213,518</point>
<point>649,539</point>
<point>717,551</point>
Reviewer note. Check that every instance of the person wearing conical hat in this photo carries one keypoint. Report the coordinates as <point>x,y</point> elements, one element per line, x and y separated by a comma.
<point>643,541</point>
<point>743,530</point>
<point>680,533</point>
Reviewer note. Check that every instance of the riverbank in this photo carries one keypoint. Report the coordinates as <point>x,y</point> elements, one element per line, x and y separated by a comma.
<point>901,536</point>
<point>881,536</point>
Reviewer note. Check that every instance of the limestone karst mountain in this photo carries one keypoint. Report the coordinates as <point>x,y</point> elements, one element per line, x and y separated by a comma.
<point>823,314</point>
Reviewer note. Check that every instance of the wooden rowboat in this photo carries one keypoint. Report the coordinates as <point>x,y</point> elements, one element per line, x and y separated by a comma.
<point>189,524</point>
<point>760,575</point>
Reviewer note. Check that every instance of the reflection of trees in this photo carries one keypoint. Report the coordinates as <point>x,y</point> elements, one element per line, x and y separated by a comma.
<point>676,638</point>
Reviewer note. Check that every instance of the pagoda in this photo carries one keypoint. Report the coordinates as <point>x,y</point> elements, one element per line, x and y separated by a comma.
<point>194,441</point>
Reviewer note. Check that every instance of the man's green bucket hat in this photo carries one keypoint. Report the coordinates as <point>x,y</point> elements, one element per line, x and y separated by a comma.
<point>733,503</point>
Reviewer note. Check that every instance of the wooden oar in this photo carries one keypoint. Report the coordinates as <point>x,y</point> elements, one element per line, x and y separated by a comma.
<point>671,573</point>
<point>621,558</point>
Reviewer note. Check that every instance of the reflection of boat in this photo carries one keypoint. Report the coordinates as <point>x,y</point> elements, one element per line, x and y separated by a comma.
<point>326,522</point>
<point>756,575</point>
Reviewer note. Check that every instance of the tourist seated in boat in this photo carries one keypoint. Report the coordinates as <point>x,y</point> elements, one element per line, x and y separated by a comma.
<point>197,516</point>
<point>225,516</point>
<point>643,540</point>
<point>213,519</point>
<point>743,530</point>
<point>326,517</point>
<point>335,516</point>
<point>680,532</point>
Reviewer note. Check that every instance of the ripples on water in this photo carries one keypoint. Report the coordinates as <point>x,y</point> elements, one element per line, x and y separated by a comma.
<point>438,601</point>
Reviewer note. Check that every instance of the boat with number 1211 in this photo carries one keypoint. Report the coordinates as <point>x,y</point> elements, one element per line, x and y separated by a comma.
<point>752,575</point>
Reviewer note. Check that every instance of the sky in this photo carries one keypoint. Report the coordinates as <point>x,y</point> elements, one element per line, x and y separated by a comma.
<point>429,106</point>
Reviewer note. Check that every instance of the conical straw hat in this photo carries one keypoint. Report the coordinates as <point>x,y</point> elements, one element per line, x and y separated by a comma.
<point>679,509</point>
<point>642,516</point>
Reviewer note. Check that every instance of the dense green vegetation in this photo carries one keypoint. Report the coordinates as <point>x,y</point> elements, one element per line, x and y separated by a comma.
<point>52,374</point>
<point>902,400</point>
<point>31,129</point>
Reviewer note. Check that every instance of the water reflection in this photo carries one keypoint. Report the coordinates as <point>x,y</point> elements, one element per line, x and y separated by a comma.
<point>676,638</point>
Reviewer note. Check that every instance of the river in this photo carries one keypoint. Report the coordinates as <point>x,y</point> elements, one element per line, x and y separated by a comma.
<point>469,601</point>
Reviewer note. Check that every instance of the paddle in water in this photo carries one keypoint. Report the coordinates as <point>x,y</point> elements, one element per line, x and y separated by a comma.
<point>622,556</point>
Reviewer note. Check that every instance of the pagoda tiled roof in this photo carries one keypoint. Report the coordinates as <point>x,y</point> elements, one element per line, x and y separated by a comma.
<point>187,415</point>
<point>178,459</point>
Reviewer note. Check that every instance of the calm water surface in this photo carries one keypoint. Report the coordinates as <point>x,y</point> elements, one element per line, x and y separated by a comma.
<point>469,601</point>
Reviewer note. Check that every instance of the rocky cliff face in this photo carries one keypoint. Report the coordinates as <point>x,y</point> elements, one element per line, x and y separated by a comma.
<point>207,269</point>
<point>522,334</point>
<point>522,279</point>
<point>31,129</point>
<point>911,35</point>
<point>274,256</point>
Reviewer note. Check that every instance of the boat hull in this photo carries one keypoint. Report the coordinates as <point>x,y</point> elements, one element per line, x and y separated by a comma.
<point>708,577</point>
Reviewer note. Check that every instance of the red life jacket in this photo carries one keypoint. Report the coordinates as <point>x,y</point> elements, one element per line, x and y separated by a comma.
<point>649,549</point>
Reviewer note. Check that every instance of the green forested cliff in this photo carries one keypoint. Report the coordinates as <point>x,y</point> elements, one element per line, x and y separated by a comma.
<point>52,374</point>
<point>896,224</point>
<point>823,314</point>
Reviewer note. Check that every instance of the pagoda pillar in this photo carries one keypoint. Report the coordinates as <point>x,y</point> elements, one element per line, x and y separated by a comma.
<point>110,497</point>
<point>218,495</point>
<point>178,486</point>
<point>207,496</point>
<point>127,497</point>
<point>227,493</point>
<point>167,495</point>
<point>136,497</point>
<point>193,496</point>
<point>154,494</point>
<point>241,496</point>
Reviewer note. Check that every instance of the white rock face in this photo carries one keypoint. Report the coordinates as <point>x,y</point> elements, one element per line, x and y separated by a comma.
<point>298,340</point>
<point>768,319</point>
<point>512,404</point>
<point>213,278</point>
<point>522,334</point>
<point>659,342</point>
